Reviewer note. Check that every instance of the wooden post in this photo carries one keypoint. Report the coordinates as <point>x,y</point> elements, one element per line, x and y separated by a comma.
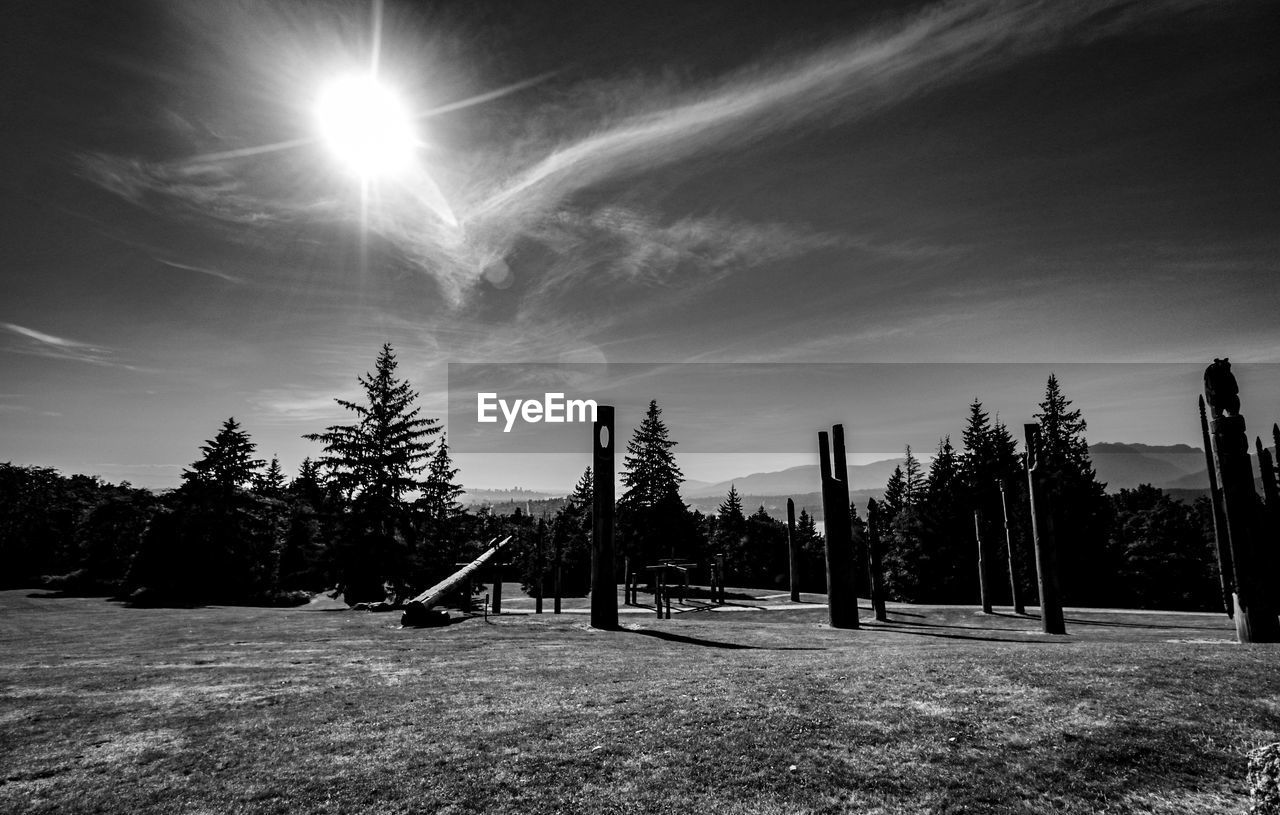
<point>1255,617</point>
<point>1226,571</point>
<point>538,568</point>
<point>1014,596</point>
<point>793,549</point>
<point>626,580</point>
<point>983,595</point>
<point>497,593</point>
<point>1051,621</point>
<point>842,601</point>
<point>555,574</point>
<point>874,572</point>
<point>604,588</point>
<point>719,589</point>
<point>1268,517</point>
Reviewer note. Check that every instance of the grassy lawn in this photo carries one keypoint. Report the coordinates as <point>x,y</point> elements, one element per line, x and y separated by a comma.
<point>218,710</point>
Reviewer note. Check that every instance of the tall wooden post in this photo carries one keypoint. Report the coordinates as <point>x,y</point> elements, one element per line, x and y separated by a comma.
<point>842,601</point>
<point>1014,596</point>
<point>1051,621</point>
<point>626,580</point>
<point>983,595</point>
<point>720,578</point>
<point>497,592</point>
<point>555,574</point>
<point>1267,469</point>
<point>875,576</point>
<point>1255,617</point>
<point>1226,570</point>
<point>1268,523</point>
<point>604,589</point>
<point>793,550</point>
<point>538,567</point>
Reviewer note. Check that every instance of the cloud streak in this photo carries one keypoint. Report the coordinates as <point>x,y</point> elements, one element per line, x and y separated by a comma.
<point>519,194</point>
<point>54,347</point>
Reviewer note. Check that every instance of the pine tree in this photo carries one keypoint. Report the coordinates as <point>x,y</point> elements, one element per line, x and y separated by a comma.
<point>912,479</point>
<point>583,495</point>
<point>439,500</point>
<point>271,483</point>
<point>730,511</point>
<point>650,474</point>
<point>228,459</point>
<point>1063,447</point>
<point>376,458</point>
<point>374,462</point>
<point>309,485</point>
<point>652,519</point>
<point>894,495</point>
<point>1077,500</point>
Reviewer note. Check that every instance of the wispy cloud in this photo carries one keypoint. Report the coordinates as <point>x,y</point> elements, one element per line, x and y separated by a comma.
<point>524,191</point>
<point>39,343</point>
<point>230,278</point>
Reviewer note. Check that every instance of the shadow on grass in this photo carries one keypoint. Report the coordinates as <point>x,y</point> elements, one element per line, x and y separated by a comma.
<point>733,646</point>
<point>1148,626</point>
<point>939,635</point>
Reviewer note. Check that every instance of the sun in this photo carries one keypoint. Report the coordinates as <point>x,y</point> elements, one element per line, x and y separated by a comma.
<point>366,126</point>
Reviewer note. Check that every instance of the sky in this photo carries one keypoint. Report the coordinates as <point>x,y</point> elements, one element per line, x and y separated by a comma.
<point>952,200</point>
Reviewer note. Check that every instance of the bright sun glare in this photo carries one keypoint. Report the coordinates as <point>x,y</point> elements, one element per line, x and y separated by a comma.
<point>366,126</point>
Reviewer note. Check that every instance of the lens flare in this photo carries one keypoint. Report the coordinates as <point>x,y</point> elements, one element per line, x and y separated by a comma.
<point>366,126</point>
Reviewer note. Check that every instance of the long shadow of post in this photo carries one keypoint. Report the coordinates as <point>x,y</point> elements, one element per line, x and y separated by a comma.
<point>705,643</point>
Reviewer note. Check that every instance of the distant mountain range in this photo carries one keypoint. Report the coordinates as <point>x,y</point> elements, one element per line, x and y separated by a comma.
<point>1178,468</point>
<point>1119,466</point>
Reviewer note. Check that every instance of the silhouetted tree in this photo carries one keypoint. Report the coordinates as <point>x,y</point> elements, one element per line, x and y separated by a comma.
<point>1077,500</point>
<point>652,518</point>
<point>271,482</point>
<point>1166,559</point>
<point>375,462</point>
<point>227,461</point>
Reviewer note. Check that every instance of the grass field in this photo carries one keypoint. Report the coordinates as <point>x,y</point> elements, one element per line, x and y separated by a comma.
<point>110,709</point>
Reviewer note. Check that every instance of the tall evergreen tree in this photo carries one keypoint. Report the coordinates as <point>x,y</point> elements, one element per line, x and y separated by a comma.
<point>583,494</point>
<point>650,475</point>
<point>375,461</point>
<point>271,482</point>
<point>227,461</point>
<point>440,492</point>
<point>1077,500</point>
<point>652,519</point>
<point>895,492</point>
<point>912,478</point>
<point>730,511</point>
<point>377,458</point>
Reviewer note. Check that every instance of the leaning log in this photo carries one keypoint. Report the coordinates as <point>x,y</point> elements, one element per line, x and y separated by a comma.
<point>417,612</point>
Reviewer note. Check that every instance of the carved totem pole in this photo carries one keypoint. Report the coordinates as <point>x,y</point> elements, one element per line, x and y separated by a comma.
<point>1255,616</point>
<point>604,589</point>
<point>1226,571</point>
<point>842,600</point>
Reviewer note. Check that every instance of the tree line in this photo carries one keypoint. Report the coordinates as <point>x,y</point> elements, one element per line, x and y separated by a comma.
<point>377,516</point>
